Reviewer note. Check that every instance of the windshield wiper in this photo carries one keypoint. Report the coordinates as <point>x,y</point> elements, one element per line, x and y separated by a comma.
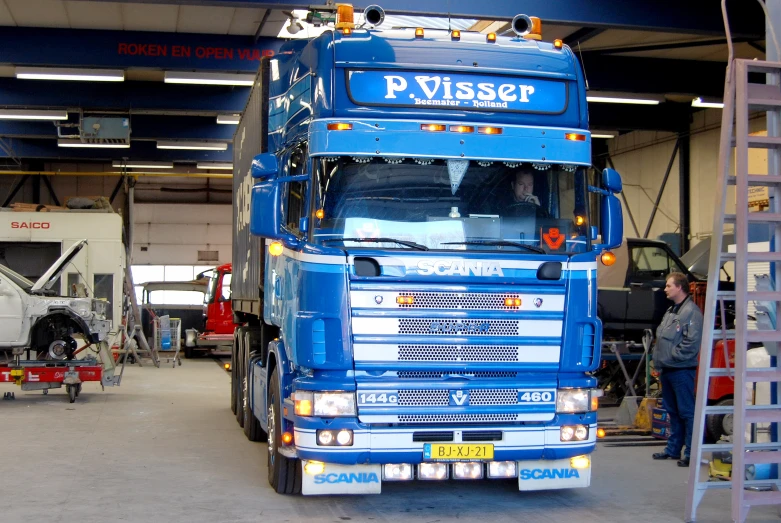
<point>499,243</point>
<point>411,245</point>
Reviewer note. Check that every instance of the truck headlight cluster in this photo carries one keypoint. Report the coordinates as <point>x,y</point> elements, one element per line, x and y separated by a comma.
<point>569,401</point>
<point>335,438</point>
<point>325,404</point>
<point>574,432</point>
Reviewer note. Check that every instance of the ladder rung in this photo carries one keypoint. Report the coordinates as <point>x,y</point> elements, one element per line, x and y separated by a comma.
<point>755,458</point>
<point>757,180</point>
<point>763,97</point>
<point>764,142</point>
<point>756,217</point>
<point>752,295</point>
<point>730,295</point>
<point>763,375</point>
<point>769,497</point>
<point>760,336</point>
<point>718,334</point>
<point>727,447</point>
<point>763,414</point>
<point>726,485</point>
<point>754,256</point>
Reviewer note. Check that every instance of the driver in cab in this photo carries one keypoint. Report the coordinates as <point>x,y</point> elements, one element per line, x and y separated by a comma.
<point>523,188</point>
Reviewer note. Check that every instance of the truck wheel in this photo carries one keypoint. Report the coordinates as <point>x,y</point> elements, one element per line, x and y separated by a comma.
<point>718,425</point>
<point>188,352</point>
<point>233,375</point>
<point>251,424</point>
<point>240,375</point>
<point>284,474</point>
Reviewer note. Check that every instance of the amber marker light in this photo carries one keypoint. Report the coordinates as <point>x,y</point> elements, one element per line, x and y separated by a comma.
<point>594,403</point>
<point>608,258</point>
<point>319,214</point>
<point>600,433</point>
<point>580,220</point>
<point>490,38</point>
<point>455,35</point>
<point>287,438</point>
<point>433,127</point>
<point>512,302</point>
<point>347,31</point>
<point>462,129</point>
<point>405,300</point>
<point>489,130</point>
<point>303,407</point>
<point>227,366</point>
<point>340,126</point>
<point>419,32</point>
<point>275,248</point>
<point>558,44</point>
<point>575,137</point>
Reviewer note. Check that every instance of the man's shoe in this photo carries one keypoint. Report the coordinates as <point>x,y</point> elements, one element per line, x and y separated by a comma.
<point>683,462</point>
<point>664,455</point>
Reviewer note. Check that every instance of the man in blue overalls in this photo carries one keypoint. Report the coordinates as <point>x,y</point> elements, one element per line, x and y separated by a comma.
<point>675,358</point>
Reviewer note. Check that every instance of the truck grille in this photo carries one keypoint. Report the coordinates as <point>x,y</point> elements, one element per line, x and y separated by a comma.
<point>423,374</point>
<point>471,327</point>
<point>485,353</point>
<point>441,397</point>
<point>448,300</point>
<point>456,418</point>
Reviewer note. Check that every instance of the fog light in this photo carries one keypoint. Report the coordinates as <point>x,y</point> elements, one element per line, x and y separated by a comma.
<point>432,471</point>
<point>325,437</point>
<point>468,470</point>
<point>502,469</point>
<point>600,433</point>
<point>397,472</point>
<point>567,433</point>
<point>313,468</point>
<point>580,462</point>
<point>581,432</point>
<point>345,437</point>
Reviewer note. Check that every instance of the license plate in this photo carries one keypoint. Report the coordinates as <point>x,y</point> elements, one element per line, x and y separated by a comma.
<point>456,452</point>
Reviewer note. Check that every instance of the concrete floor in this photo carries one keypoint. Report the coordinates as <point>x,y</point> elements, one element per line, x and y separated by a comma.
<point>165,447</point>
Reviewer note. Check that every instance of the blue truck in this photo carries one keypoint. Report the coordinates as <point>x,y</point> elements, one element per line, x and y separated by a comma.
<point>415,250</point>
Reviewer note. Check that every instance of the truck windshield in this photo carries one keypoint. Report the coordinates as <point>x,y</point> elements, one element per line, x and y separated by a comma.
<point>451,205</point>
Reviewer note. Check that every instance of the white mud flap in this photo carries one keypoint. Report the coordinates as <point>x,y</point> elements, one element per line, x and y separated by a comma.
<point>549,475</point>
<point>343,479</point>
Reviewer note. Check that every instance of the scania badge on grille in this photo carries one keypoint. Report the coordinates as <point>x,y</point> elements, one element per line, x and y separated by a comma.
<point>538,302</point>
<point>459,398</point>
<point>378,299</point>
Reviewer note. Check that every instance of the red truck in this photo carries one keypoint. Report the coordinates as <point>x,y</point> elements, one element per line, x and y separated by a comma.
<point>218,315</point>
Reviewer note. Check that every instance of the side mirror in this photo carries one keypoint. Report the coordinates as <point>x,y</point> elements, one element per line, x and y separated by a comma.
<point>612,218</point>
<point>611,180</point>
<point>265,166</point>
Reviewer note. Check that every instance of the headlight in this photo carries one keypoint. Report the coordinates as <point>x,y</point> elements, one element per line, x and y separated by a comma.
<point>573,400</point>
<point>330,404</point>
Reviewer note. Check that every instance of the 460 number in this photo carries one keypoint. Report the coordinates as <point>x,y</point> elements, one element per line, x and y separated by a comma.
<point>535,396</point>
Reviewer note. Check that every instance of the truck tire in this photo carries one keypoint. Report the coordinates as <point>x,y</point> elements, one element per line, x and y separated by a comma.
<point>251,423</point>
<point>284,474</point>
<point>718,425</point>
<point>233,375</point>
<point>240,374</point>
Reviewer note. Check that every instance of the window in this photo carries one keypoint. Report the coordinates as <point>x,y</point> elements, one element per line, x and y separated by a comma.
<point>652,263</point>
<point>73,280</point>
<point>146,273</point>
<point>226,286</point>
<point>104,289</point>
<point>296,191</point>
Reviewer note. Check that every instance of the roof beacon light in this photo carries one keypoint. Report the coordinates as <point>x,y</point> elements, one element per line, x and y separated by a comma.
<point>455,35</point>
<point>374,15</point>
<point>490,38</point>
<point>558,43</point>
<point>345,16</point>
<point>419,32</point>
<point>340,126</point>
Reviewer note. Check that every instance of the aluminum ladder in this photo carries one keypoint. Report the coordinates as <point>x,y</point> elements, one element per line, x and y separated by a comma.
<point>741,97</point>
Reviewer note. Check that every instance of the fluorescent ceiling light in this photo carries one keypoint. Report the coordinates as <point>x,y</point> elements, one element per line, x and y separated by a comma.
<point>59,73</point>
<point>204,146</point>
<point>699,102</point>
<point>621,100</point>
<point>173,77</point>
<point>78,143</point>
<point>30,114</point>
<point>228,118</point>
<point>602,135</point>
<point>215,165</point>
<point>139,164</point>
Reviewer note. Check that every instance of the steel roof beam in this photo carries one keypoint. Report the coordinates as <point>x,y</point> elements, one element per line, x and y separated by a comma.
<point>583,35</point>
<point>48,149</point>
<point>678,16</point>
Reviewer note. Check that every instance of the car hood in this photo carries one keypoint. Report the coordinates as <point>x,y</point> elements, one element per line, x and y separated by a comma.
<point>46,281</point>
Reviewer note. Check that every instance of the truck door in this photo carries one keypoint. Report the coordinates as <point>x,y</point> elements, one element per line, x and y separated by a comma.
<point>649,266</point>
<point>11,309</point>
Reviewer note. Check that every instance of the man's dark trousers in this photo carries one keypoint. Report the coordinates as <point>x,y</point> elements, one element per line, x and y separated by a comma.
<point>678,401</point>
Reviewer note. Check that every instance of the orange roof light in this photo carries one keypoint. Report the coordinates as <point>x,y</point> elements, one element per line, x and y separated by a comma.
<point>608,258</point>
<point>419,32</point>
<point>558,44</point>
<point>433,127</point>
<point>347,31</point>
<point>489,130</point>
<point>536,30</point>
<point>340,126</point>
<point>575,137</point>
<point>455,35</point>
<point>490,38</point>
<point>462,129</point>
<point>345,17</point>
